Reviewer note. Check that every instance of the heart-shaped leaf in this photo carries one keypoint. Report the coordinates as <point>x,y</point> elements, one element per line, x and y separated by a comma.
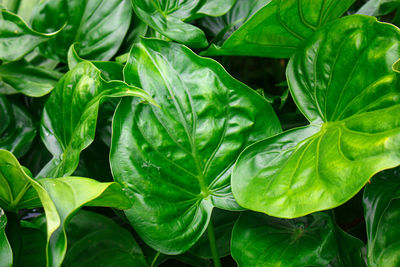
<point>382,215</point>
<point>22,77</point>
<point>94,239</point>
<point>261,240</point>
<point>17,130</point>
<point>98,26</point>
<point>6,256</point>
<point>175,161</point>
<point>343,82</point>
<point>16,38</point>
<point>70,115</point>
<point>280,27</point>
<point>167,17</point>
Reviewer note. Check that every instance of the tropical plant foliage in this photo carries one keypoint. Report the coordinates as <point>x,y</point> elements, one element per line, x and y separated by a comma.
<point>199,133</point>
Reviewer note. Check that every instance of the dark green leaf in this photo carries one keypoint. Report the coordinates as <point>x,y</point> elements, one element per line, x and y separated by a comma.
<point>280,27</point>
<point>17,130</point>
<point>378,7</point>
<point>343,82</point>
<point>6,256</point>
<point>261,240</point>
<point>98,26</point>
<point>175,161</point>
<point>168,17</point>
<point>382,216</point>
<point>17,39</point>
<point>96,240</point>
<point>33,252</point>
<point>70,115</point>
<point>22,77</point>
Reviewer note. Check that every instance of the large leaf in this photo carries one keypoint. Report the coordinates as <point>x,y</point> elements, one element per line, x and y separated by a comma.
<point>16,38</point>
<point>167,17</point>
<point>343,82</point>
<point>6,256</point>
<point>175,161</point>
<point>96,240</point>
<point>280,27</point>
<point>261,240</point>
<point>17,130</point>
<point>99,26</point>
<point>378,7</point>
<point>70,115</point>
<point>382,216</point>
<point>22,77</point>
<point>61,198</point>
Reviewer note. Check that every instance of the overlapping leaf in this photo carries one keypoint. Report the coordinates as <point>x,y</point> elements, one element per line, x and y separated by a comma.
<point>343,82</point>
<point>167,17</point>
<point>175,161</point>
<point>98,26</point>
<point>382,215</point>
<point>6,256</point>
<point>280,27</point>
<point>70,114</point>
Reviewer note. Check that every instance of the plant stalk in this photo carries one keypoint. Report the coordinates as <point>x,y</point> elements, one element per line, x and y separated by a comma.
<point>15,6</point>
<point>213,245</point>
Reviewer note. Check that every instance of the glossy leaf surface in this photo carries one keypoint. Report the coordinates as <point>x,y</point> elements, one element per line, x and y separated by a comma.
<point>96,240</point>
<point>167,17</point>
<point>16,38</point>
<point>378,7</point>
<point>98,26</point>
<point>280,27</point>
<point>17,130</point>
<point>70,115</point>
<point>175,161</point>
<point>22,77</point>
<point>343,82</point>
<point>261,240</point>
<point>382,215</point>
<point>6,256</point>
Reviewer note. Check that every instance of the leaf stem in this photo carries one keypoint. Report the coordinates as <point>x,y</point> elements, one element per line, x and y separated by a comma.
<point>15,6</point>
<point>213,245</point>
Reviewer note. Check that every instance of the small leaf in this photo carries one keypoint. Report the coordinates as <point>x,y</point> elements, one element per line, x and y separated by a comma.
<point>175,161</point>
<point>70,114</point>
<point>280,27</point>
<point>261,240</point>
<point>6,256</point>
<point>342,80</point>
<point>167,17</point>
<point>16,38</point>
<point>382,215</point>
<point>98,26</point>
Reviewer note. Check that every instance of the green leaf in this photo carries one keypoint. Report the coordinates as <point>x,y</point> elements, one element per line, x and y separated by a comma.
<point>17,39</point>
<point>22,77</point>
<point>33,249</point>
<point>343,82</point>
<point>175,161</point>
<point>98,26</point>
<point>382,215</point>
<point>261,240</point>
<point>70,114</point>
<point>96,240</point>
<point>6,256</point>
<point>17,130</point>
<point>378,7</point>
<point>280,27</point>
<point>168,17</point>
<point>61,198</point>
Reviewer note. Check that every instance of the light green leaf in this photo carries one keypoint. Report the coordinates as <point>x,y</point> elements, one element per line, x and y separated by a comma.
<point>17,130</point>
<point>168,17</point>
<point>280,27</point>
<point>16,38</point>
<point>382,215</point>
<point>96,240</point>
<point>175,161</point>
<point>343,82</point>
<point>378,7</point>
<point>260,240</point>
<point>70,115</point>
<point>98,26</point>
<point>6,256</point>
<point>22,77</point>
